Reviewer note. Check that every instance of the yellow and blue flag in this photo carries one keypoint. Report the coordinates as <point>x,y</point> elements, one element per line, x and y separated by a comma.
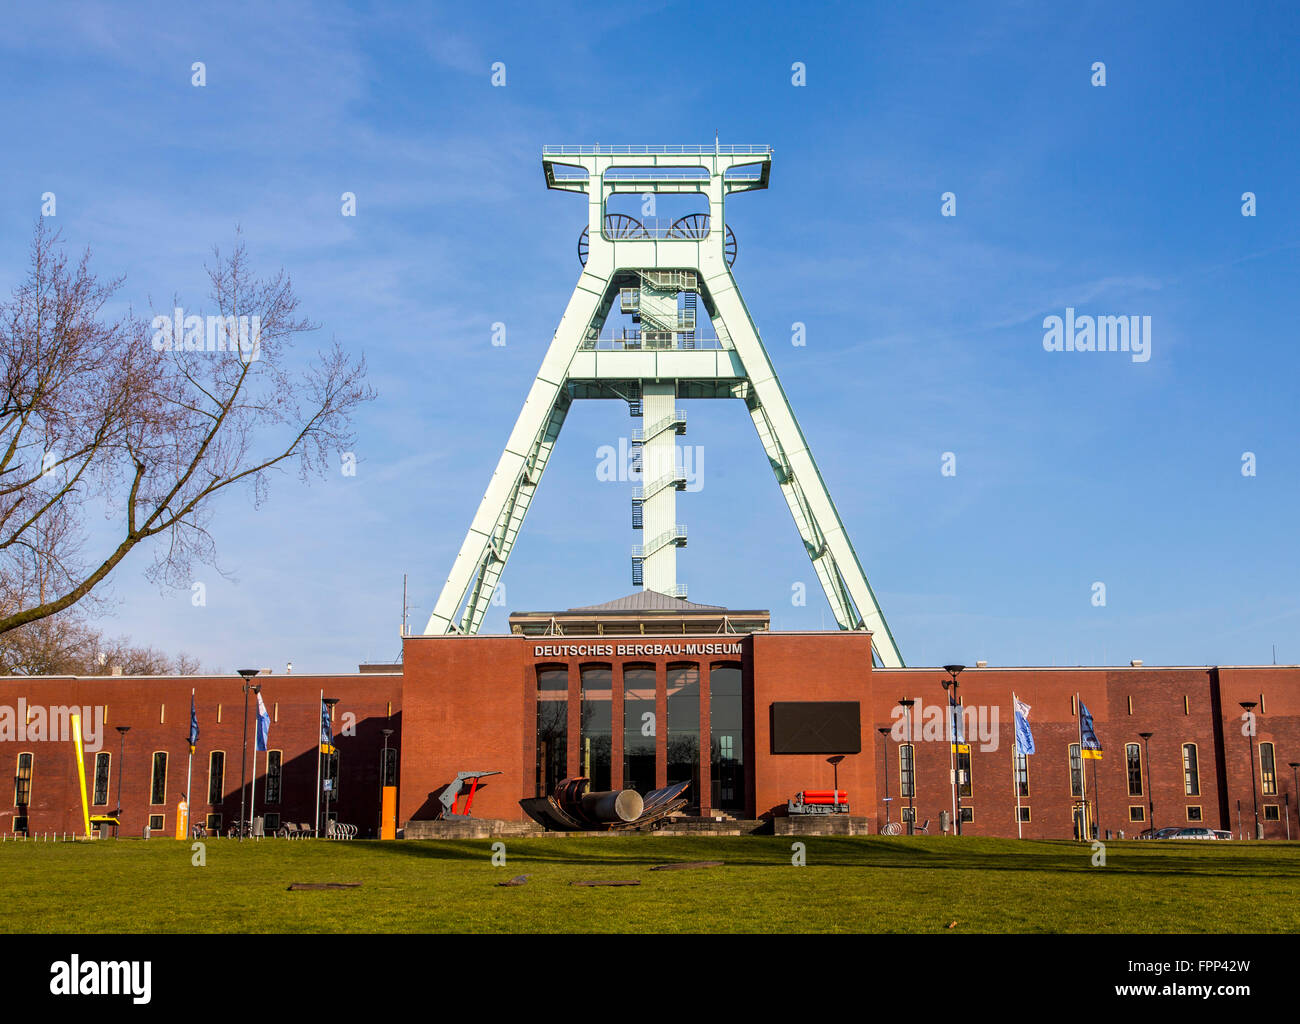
<point>1091,746</point>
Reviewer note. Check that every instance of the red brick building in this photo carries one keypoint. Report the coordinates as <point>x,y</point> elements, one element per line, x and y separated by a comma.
<point>651,690</point>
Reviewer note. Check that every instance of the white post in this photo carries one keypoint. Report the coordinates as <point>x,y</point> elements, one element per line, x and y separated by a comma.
<point>252,800</point>
<point>1084,828</point>
<point>952,759</point>
<point>1015,761</point>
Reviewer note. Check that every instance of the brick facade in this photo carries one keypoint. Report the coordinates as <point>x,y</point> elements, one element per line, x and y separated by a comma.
<point>470,703</point>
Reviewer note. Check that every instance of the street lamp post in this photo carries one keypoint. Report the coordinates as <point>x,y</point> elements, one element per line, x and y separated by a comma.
<point>383,775</point>
<point>907,705</point>
<point>122,730</point>
<point>834,762</point>
<point>953,762</point>
<point>884,757</point>
<point>1151,799</point>
<point>383,780</point>
<point>247,674</point>
<point>1249,707</point>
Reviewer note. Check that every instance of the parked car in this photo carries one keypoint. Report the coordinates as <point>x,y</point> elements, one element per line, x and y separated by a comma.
<point>1160,833</point>
<point>1222,834</point>
<point>1193,833</point>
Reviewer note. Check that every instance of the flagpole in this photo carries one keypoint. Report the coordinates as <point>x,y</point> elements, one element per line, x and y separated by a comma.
<point>316,823</point>
<point>189,772</point>
<point>252,800</point>
<point>952,759</point>
<point>1015,762</point>
<point>1083,773</point>
<point>1096,794</point>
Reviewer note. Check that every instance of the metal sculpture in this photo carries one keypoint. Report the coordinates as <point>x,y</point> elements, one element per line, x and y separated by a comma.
<point>574,808</point>
<point>819,801</point>
<point>448,796</point>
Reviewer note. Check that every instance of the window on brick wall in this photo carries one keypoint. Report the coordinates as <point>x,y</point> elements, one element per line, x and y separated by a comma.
<point>1267,769</point>
<point>552,728</point>
<point>1076,771</point>
<point>1191,771</point>
<point>1022,774</point>
<point>906,771</point>
<point>1133,761</point>
<point>23,781</point>
<point>158,786</point>
<point>103,766</point>
<point>216,779</point>
<point>273,776</point>
<point>963,772</point>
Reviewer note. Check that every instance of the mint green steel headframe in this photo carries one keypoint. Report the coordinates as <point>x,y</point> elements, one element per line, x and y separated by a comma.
<point>643,268</point>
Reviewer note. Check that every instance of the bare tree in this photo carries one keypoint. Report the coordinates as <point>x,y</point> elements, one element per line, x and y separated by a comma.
<point>67,644</point>
<point>148,422</point>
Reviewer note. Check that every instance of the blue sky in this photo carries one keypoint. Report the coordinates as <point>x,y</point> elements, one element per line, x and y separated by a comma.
<point>924,332</point>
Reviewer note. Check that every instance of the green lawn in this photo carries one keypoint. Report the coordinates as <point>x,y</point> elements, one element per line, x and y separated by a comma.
<point>869,884</point>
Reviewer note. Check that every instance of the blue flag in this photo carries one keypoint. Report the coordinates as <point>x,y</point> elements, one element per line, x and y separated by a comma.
<point>956,723</point>
<point>1024,737</point>
<point>263,724</point>
<point>194,724</point>
<point>1091,745</point>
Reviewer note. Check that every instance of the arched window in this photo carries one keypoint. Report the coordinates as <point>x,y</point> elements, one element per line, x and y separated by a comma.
<point>684,729</point>
<point>597,683</point>
<point>217,779</point>
<point>158,786</point>
<point>906,771</point>
<point>1133,762</point>
<point>639,728</point>
<point>23,781</point>
<point>1191,771</point>
<point>103,769</point>
<point>1076,771</point>
<point>552,727</point>
<point>1267,769</point>
<point>273,777</point>
<point>727,736</point>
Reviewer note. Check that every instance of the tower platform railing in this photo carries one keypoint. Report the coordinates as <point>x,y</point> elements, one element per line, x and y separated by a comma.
<point>670,150</point>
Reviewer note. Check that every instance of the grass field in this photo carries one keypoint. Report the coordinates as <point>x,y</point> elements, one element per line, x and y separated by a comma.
<point>869,884</point>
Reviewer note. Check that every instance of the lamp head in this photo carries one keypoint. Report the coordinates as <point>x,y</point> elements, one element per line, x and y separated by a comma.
<point>907,702</point>
<point>953,670</point>
<point>1247,704</point>
<point>248,673</point>
<point>1146,735</point>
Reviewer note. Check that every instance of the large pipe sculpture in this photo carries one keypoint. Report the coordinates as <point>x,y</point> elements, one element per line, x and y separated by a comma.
<point>574,808</point>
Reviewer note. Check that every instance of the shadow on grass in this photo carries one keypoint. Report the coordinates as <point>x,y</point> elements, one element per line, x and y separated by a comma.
<point>931,854</point>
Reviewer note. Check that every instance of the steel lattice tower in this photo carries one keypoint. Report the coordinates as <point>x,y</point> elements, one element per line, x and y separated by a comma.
<point>665,275</point>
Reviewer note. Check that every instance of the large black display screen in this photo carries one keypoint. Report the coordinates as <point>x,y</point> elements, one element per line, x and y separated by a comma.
<point>816,727</point>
